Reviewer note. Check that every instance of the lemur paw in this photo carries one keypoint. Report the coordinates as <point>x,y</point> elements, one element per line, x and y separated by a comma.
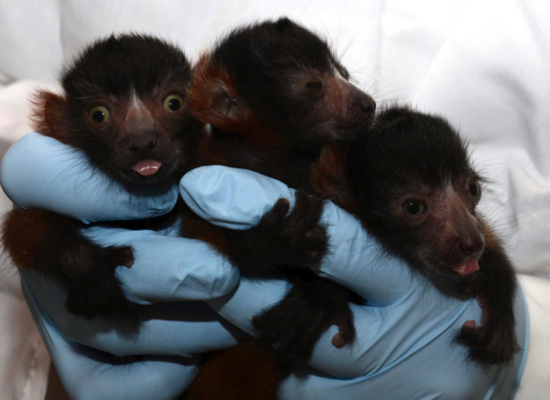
<point>487,343</point>
<point>297,237</point>
<point>115,256</point>
<point>98,291</point>
<point>295,324</point>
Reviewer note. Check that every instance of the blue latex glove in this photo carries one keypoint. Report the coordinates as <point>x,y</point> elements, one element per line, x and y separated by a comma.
<point>40,172</point>
<point>88,373</point>
<point>379,357</point>
<point>404,348</point>
<point>167,271</point>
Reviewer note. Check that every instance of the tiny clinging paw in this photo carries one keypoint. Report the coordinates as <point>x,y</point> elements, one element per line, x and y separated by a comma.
<point>470,324</point>
<point>296,334</point>
<point>273,219</point>
<point>115,256</point>
<point>97,292</point>
<point>127,256</point>
<point>300,232</point>
<point>295,324</point>
<point>346,329</point>
<point>488,344</point>
<point>339,341</point>
<point>284,237</point>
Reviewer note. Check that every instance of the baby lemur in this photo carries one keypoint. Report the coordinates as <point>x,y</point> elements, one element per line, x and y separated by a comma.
<point>124,106</point>
<point>273,94</point>
<point>411,184</point>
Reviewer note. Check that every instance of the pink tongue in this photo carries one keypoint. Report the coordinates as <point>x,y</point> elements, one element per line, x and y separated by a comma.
<point>147,167</point>
<point>466,267</point>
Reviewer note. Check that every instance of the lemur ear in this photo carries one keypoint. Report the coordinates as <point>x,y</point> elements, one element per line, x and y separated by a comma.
<point>47,115</point>
<point>213,97</point>
<point>225,103</point>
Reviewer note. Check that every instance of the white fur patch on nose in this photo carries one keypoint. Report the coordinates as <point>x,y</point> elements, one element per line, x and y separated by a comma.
<point>138,112</point>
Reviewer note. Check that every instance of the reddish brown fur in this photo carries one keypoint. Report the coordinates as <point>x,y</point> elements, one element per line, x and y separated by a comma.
<point>208,78</point>
<point>206,232</point>
<point>330,178</point>
<point>200,94</point>
<point>492,242</point>
<point>23,231</point>
<point>240,373</point>
<point>47,115</point>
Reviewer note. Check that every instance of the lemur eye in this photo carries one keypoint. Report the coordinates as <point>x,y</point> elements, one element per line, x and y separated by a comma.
<point>414,208</point>
<point>99,114</point>
<point>173,103</point>
<point>314,85</point>
<point>474,189</point>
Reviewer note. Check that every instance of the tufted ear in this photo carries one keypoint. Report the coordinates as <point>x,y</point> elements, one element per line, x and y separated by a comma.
<point>47,115</point>
<point>214,99</point>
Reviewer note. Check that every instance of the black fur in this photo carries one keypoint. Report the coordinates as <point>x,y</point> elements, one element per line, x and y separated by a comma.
<point>405,151</point>
<point>122,67</point>
<point>296,240</point>
<point>310,307</point>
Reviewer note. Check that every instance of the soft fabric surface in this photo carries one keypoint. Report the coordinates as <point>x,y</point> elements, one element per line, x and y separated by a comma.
<point>24,360</point>
<point>483,64</point>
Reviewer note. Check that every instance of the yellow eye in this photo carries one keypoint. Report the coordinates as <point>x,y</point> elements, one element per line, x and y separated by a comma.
<point>414,208</point>
<point>99,114</point>
<point>173,103</point>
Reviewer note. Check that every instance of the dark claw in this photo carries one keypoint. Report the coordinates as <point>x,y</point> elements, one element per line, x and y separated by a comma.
<point>339,341</point>
<point>127,257</point>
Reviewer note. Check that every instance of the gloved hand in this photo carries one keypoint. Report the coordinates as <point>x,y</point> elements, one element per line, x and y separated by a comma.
<point>88,373</point>
<point>407,327</point>
<point>40,172</point>
<point>405,332</point>
<point>168,270</point>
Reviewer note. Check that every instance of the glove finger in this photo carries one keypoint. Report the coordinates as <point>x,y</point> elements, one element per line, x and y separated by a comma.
<point>41,172</point>
<point>252,296</point>
<point>357,261</point>
<point>180,328</point>
<point>168,268</point>
<point>89,373</point>
<point>230,197</point>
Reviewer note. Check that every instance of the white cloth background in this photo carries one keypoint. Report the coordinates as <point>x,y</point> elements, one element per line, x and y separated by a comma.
<point>484,64</point>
